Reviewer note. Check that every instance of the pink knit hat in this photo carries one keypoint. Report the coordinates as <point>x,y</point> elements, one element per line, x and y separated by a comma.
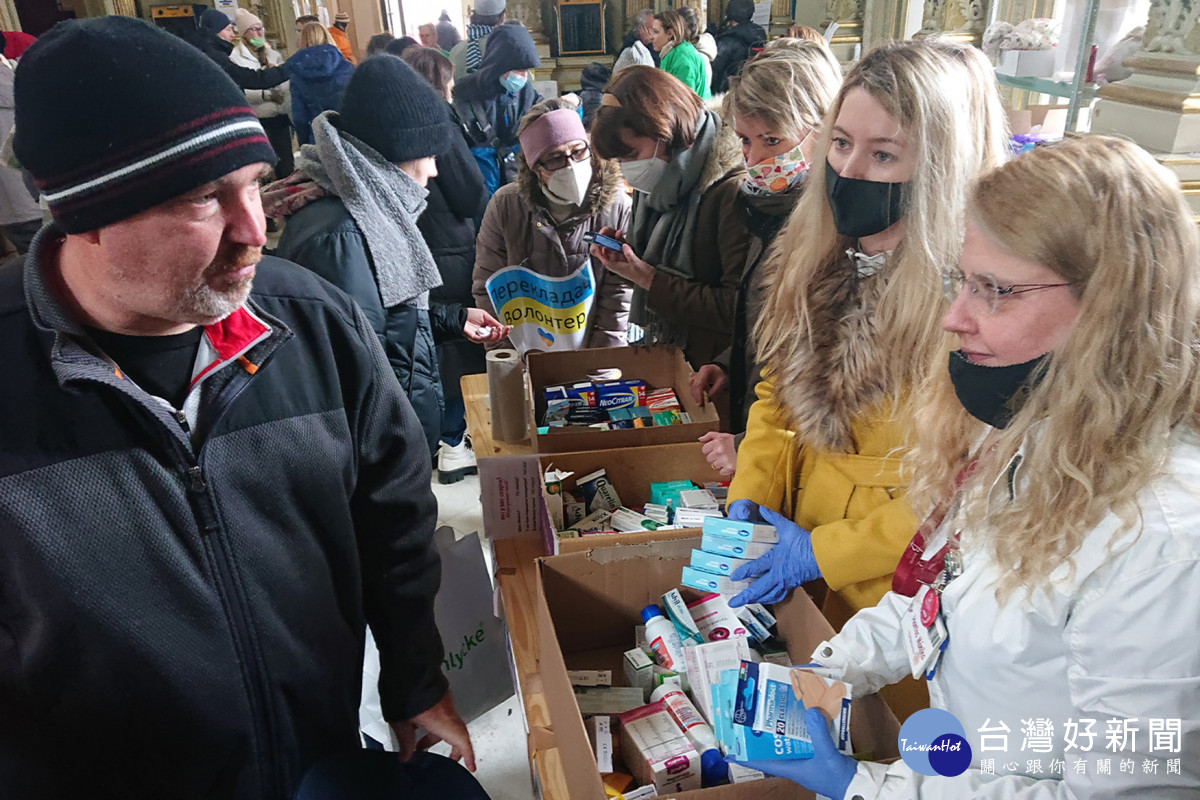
<point>551,130</point>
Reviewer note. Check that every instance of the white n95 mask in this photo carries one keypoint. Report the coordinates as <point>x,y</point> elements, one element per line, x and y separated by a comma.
<point>570,184</point>
<point>644,173</point>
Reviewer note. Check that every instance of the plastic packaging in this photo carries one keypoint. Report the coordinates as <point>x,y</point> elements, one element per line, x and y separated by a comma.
<point>663,639</point>
<point>713,770</point>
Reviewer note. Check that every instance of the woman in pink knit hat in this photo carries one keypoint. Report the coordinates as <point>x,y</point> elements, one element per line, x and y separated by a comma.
<point>563,190</point>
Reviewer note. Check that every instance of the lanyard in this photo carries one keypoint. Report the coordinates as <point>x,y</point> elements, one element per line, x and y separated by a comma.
<point>913,571</point>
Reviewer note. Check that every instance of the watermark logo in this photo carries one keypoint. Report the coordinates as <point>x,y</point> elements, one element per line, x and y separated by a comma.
<point>933,742</point>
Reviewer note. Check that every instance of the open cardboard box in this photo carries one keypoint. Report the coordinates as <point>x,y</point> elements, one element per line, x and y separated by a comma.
<point>1051,118</point>
<point>631,471</point>
<point>588,605</point>
<point>659,367</point>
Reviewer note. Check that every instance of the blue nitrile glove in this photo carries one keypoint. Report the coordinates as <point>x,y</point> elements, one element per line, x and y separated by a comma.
<point>788,564</point>
<point>828,772</point>
<point>743,511</point>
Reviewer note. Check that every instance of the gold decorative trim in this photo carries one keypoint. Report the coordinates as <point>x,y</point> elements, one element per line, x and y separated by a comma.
<point>1178,66</point>
<point>1151,98</point>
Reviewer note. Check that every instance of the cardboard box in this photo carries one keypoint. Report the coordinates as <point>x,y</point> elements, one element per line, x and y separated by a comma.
<point>587,606</point>
<point>631,471</point>
<point>659,367</point>
<point>1051,118</point>
<point>1026,63</point>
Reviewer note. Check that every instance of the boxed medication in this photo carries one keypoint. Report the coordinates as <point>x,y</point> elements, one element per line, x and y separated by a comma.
<point>715,562</point>
<point>711,582</point>
<point>712,543</point>
<point>715,619</point>
<point>657,751</point>
<point>663,368</point>
<point>620,580</point>
<point>742,531</point>
<point>772,699</point>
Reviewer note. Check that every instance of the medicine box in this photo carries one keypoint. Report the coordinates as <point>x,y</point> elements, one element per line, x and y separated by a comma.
<point>711,582</point>
<point>658,367</point>
<point>614,583</point>
<point>657,751</point>
<point>720,545</point>
<point>743,531</point>
<point>716,562</point>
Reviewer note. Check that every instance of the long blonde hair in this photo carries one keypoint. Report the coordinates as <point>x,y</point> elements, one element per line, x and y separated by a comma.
<point>313,34</point>
<point>922,88</point>
<point>788,89</point>
<point>1105,216</point>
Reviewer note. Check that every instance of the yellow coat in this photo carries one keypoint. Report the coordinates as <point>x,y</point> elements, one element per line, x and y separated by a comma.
<point>853,503</point>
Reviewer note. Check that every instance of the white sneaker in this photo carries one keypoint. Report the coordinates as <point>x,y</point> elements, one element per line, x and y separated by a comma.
<point>455,463</point>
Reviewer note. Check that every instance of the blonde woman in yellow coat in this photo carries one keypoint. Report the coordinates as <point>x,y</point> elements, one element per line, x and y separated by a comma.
<point>849,327</point>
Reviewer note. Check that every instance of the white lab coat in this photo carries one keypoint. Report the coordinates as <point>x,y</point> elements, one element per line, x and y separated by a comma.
<point>1119,639</point>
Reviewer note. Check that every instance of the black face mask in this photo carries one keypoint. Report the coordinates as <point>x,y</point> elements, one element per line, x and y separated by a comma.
<point>863,208</point>
<point>994,394</point>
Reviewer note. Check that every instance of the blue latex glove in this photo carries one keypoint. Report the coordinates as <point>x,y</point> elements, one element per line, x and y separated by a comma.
<point>828,772</point>
<point>743,511</point>
<point>789,564</point>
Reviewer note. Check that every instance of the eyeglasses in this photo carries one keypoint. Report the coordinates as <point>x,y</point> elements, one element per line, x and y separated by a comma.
<point>984,288</point>
<point>557,161</point>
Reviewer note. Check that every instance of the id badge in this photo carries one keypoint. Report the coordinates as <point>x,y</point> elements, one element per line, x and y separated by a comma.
<point>924,632</point>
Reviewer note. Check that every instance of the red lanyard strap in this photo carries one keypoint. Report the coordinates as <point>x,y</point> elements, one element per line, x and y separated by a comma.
<point>913,571</point>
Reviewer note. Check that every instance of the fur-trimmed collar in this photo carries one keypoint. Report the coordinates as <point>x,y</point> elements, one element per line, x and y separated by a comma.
<point>726,157</point>
<point>842,374</point>
<point>600,194</point>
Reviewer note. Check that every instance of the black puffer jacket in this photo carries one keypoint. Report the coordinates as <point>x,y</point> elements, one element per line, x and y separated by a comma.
<point>325,238</point>
<point>733,48</point>
<point>457,199</point>
<point>184,614</point>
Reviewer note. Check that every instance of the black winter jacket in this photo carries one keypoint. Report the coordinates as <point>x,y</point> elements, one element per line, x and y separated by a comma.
<point>219,51</point>
<point>733,48</point>
<point>490,115</point>
<point>457,199</point>
<point>325,238</point>
<point>183,615</point>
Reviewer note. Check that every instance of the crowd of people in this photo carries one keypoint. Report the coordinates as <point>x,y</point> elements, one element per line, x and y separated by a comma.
<point>941,371</point>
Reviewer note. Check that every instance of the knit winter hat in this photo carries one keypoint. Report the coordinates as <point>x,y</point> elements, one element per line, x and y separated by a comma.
<point>101,137</point>
<point>551,129</point>
<point>214,20</point>
<point>341,17</point>
<point>245,20</point>
<point>391,108</point>
<point>489,8</point>
<point>740,11</point>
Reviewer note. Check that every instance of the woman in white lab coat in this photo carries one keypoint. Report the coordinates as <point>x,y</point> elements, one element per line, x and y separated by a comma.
<point>1060,456</point>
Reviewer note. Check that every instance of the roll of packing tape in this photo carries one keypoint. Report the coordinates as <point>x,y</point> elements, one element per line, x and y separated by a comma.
<point>506,391</point>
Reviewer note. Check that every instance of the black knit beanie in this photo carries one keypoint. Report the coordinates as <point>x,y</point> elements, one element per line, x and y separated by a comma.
<point>740,11</point>
<point>214,20</point>
<point>105,137</point>
<point>392,109</point>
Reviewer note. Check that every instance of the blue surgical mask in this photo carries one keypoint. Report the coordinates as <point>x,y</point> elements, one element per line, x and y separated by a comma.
<point>513,82</point>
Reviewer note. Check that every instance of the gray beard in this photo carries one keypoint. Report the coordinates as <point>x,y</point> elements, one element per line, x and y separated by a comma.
<point>203,305</point>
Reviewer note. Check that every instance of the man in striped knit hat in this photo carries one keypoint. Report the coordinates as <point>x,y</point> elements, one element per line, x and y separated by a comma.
<point>210,480</point>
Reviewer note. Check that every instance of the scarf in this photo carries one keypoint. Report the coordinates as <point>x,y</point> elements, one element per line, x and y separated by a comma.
<point>474,34</point>
<point>385,203</point>
<point>664,224</point>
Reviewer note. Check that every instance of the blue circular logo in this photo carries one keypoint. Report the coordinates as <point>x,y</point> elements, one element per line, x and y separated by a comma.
<point>933,742</point>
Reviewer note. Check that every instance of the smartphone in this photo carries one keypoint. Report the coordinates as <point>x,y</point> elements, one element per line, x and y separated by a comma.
<point>603,241</point>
